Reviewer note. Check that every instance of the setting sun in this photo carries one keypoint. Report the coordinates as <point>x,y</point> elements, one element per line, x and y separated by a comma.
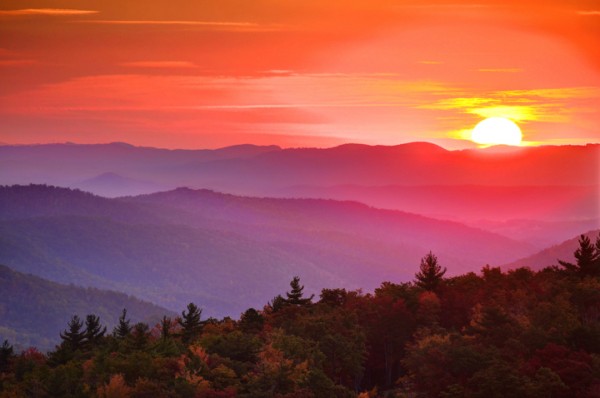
<point>497,131</point>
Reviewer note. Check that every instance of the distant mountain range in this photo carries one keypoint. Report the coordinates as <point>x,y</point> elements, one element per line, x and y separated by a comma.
<point>33,311</point>
<point>520,187</point>
<point>226,252</point>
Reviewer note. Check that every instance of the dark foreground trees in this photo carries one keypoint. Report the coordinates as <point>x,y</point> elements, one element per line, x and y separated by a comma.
<point>494,334</point>
<point>588,259</point>
<point>430,273</point>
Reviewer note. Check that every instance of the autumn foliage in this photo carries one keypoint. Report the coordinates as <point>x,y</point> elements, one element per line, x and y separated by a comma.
<point>494,334</point>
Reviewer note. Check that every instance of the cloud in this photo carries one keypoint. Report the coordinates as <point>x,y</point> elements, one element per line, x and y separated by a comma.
<point>555,93</point>
<point>159,64</point>
<point>589,13</point>
<point>500,70</point>
<point>46,11</point>
<point>554,105</point>
<point>215,25</point>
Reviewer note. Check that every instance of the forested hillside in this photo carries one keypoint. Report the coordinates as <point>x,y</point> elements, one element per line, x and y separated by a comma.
<point>34,310</point>
<point>493,334</point>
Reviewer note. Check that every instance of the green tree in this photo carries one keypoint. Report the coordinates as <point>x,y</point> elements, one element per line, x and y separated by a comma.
<point>587,256</point>
<point>190,323</point>
<point>140,333</point>
<point>165,328</point>
<point>6,354</point>
<point>75,335</point>
<point>430,273</point>
<point>123,329</point>
<point>296,295</point>
<point>93,329</point>
<point>251,321</point>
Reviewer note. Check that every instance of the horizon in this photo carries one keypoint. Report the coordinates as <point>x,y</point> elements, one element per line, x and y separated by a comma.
<point>501,147</point>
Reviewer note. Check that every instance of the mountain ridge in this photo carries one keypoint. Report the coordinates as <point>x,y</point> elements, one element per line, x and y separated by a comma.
<point>171,251</point>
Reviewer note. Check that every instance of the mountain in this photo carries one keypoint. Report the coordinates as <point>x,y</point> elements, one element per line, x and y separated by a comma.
<point>226,252</point>
<point>69,164</point>
<point>112,185</point>
<point>33,311</point>
<point>475,186</point>
<point>475,204</point>
<point>550,256</point>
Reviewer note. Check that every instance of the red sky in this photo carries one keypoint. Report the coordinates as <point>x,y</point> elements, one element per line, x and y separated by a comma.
<point>211,73</point>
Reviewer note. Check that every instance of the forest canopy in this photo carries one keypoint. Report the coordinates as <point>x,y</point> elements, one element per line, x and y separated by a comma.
<point>495,334</point>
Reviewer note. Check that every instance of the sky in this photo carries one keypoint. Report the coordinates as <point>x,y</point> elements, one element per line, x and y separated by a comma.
<point>297,73</point>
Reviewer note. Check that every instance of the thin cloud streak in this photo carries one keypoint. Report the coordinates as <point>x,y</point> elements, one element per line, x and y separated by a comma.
<point>159,64</point>
<point>47,11</point>
<point>214,25</point>
<point>500,70</point>
<point>589,13</point>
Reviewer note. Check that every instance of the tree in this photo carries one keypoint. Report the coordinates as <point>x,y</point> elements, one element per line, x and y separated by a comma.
<point>140,335</point>
<point>75,336</point>
<point>251,321</point>
<point>190,323</point>
<point>430,274</point>
<point>123,329</point>
<point>295,296</point>
<point>588,258</point>
<point>165,327</point>
<point>93,330</point>
<point>6,354</point>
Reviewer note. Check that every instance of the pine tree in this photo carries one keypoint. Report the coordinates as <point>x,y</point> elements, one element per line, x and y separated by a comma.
<point>123,329</point>
<point>430,274</point>
<point>93,330</point>
<point>6,354</point>
<point>75,336</point>
<point>190,323</point>
<point>165,327</point>
<point>587,256</point>
<point>295,296</point>
<point>140,335</point>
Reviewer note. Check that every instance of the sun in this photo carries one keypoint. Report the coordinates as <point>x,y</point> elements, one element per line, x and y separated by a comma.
<point>497,131</point>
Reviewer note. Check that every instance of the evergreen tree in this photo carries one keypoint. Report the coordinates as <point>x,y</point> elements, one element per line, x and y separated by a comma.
<point>140,335</point>
<point>190,323</point>
<point>6,354</point>
<point>251,321</point>
<point>430,273</point>
<point>295,296</point>
<point>75,336</point>
<point>93,329</point>
<point>276,304</point>
<point>123,329</point>
<point>587,256</point>
<point>165,327</point>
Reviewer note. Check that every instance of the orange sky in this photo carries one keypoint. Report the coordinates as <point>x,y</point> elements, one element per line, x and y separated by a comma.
<point>212,73</point>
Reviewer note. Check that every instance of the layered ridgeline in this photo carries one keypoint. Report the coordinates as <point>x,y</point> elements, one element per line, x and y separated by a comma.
<point>517,192</point>
<point>33,310</point>
<point>226,252</point>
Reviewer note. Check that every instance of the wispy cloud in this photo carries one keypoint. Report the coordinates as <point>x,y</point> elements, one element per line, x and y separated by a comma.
<point>547,105</point>
<point>500,70</point>
<point>216,25</point>
<point>589,12</point>
<point>555,93</point>
<point>46,11</point>
<point>159,64</point>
